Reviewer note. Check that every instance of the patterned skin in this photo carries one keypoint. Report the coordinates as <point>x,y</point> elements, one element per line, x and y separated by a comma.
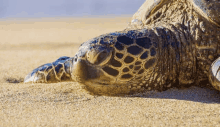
<point>176,46</point>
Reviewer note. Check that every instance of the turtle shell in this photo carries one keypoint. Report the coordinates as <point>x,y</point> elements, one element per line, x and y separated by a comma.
<point>145,11</point>
<point>209,8</point>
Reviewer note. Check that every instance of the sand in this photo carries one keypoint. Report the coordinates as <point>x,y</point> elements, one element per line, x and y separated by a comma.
<point>27,43</point>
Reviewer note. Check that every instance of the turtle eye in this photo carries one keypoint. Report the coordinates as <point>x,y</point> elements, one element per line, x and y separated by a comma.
<point>99,57</point>
<point>103,57</point>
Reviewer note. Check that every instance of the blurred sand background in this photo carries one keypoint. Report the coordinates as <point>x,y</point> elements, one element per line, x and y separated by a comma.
<point>27,43</point>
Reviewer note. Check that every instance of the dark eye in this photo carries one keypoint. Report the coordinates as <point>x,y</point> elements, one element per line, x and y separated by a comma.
<point>101,57</point>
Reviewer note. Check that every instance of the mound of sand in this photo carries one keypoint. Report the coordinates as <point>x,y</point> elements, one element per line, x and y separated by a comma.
<point>26,44</point>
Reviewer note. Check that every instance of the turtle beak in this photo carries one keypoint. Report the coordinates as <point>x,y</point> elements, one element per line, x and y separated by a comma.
<point>79,70</point>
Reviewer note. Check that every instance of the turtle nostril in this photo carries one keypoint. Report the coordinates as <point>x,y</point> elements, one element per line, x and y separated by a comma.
<point>75,59</point>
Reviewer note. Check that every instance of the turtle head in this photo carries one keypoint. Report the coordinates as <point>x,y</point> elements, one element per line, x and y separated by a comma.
<point>89,63</point>
<point>115,63</point>
<point>95,67</point>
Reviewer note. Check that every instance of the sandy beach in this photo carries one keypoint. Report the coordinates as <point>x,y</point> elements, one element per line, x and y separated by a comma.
<point>28,43</point>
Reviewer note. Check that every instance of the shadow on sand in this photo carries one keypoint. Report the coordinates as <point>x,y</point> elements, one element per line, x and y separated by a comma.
<point>14,80</point>
<point>193,93</point>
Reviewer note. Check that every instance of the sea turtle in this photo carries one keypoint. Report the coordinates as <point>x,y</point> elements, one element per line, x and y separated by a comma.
<point>168,43</point>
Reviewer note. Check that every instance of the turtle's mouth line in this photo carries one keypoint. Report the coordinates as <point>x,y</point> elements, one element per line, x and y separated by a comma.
<point>105,83</point>
<point>102,83</point>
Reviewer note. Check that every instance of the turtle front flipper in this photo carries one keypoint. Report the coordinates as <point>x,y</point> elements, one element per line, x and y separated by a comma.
<point>214,74</point>
<point>52,72</point>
